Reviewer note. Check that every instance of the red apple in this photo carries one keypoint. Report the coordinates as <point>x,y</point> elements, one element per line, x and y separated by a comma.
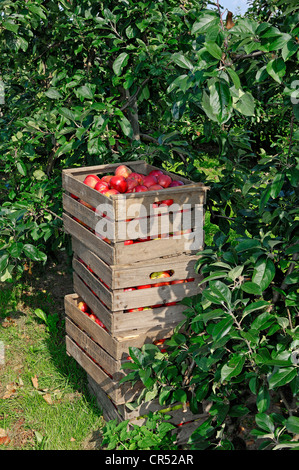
<point>140,189</point>
<point>164,180</point>
<point>169,304</point>
<point>155,187</point>
<point>166,202</point>
<point>83,307</point>
<point>176,183</point>
<point>123,170</point>
<point>110,192</point>
<point>150,180</point>
<point>156,172</point>
<point>119,183</point>
<point>159,274</point>
<point>129,289</point>
<point>91,180</point>
<point>107,179</point>
<point>138,177</point>
<point>87,205</point>
<point>146,286</point>
<point>101,186</point>
<point>128,242</point>
<point>181,281</point>
<point>132,183</point>
<point>139,309</point>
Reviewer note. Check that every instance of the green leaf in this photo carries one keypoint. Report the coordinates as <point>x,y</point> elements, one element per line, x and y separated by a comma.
<point>214,49</point>
<point>263,273</point>
<point>16,250</point>
<point>265,422</point>
<point>233,368</point>
<point>288,50</point>
<point>251,288</point>
<point>3,262</point>
<point>120,62</point>
<point>235,78</point>
<point>85,91</point>
<point>276,68</point>
<point>10,26</point>
<point>22,168</point>
<point>248,245</point>
<point>221,291</point>
<point>222,328</point>
<point>182,61</point>
<point>33,253</point>
<point>204,23</point>
<point>37,10</point>
<point>279,42</point>
<point>180,395</point>
<point>245,104</point>
<point>53,93</point>
<point>292,424</point>
<point>126,127</point>
<point>263,399</point>
<point>276,185</point>
<point>263,321</point>
<point>281,377</point>
<point>254,306</point>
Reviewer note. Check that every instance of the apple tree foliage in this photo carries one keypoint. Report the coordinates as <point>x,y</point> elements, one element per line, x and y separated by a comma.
<point>92,82</point>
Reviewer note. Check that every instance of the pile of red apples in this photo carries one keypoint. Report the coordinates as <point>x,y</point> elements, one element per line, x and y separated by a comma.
<point>125,180</point>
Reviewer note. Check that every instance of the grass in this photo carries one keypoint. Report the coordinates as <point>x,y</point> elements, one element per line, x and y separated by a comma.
<point>44,401</point>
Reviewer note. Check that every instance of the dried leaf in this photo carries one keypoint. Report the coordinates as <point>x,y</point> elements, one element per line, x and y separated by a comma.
<point>48,399</point>
<point>10,390</point>
<point>4,439</point>
<point>34,381</point>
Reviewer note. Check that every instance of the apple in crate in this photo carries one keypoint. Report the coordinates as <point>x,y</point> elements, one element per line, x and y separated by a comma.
<point>175,183</point>
<point>132,183</point>
<point>164,180</point>
<point>111,192</point>
<point>101,186</point>
<point>150,180</point>
<point>140,189</point>
<point>83,307</point>
<point>156,173</point>
<point>119,183</point>
<point>123,170</point>
<point>138,177</point>
<point>107,179</point>
<point>91,180</point>
<point>155,187</point>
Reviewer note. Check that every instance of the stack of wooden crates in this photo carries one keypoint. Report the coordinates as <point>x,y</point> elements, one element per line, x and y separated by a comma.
<point>108,274</point>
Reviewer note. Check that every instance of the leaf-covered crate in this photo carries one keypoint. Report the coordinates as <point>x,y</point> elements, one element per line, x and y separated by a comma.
<point>137,227</point>
<point>99,353</point>
<point>127,298</point>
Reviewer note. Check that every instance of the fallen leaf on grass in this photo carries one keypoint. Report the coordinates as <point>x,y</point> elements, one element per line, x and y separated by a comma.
<point>11,389</point>
<point>4,439</point>
<point>47,397</point>
<point>34,381</point>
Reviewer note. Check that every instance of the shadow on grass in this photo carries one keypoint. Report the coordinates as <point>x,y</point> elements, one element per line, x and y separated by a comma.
<point>45,289</point>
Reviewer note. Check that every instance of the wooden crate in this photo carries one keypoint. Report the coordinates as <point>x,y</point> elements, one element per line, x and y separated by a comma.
<point>115,346</point>
<point>81,221</point>
<point>181,416</point>
<point>98,353</point>
<point>106,290</point>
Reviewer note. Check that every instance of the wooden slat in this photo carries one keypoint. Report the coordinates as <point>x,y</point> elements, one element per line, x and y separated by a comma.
<point>107,362</point>
<point>98,246</point>
<point>116,345</point>
<point>137,274</point>
<point>157,322</point>
<point>119,393</point>
<point>120,299</point>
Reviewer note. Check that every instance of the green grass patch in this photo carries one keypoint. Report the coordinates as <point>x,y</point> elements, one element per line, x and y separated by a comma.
<point>44,401</point>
